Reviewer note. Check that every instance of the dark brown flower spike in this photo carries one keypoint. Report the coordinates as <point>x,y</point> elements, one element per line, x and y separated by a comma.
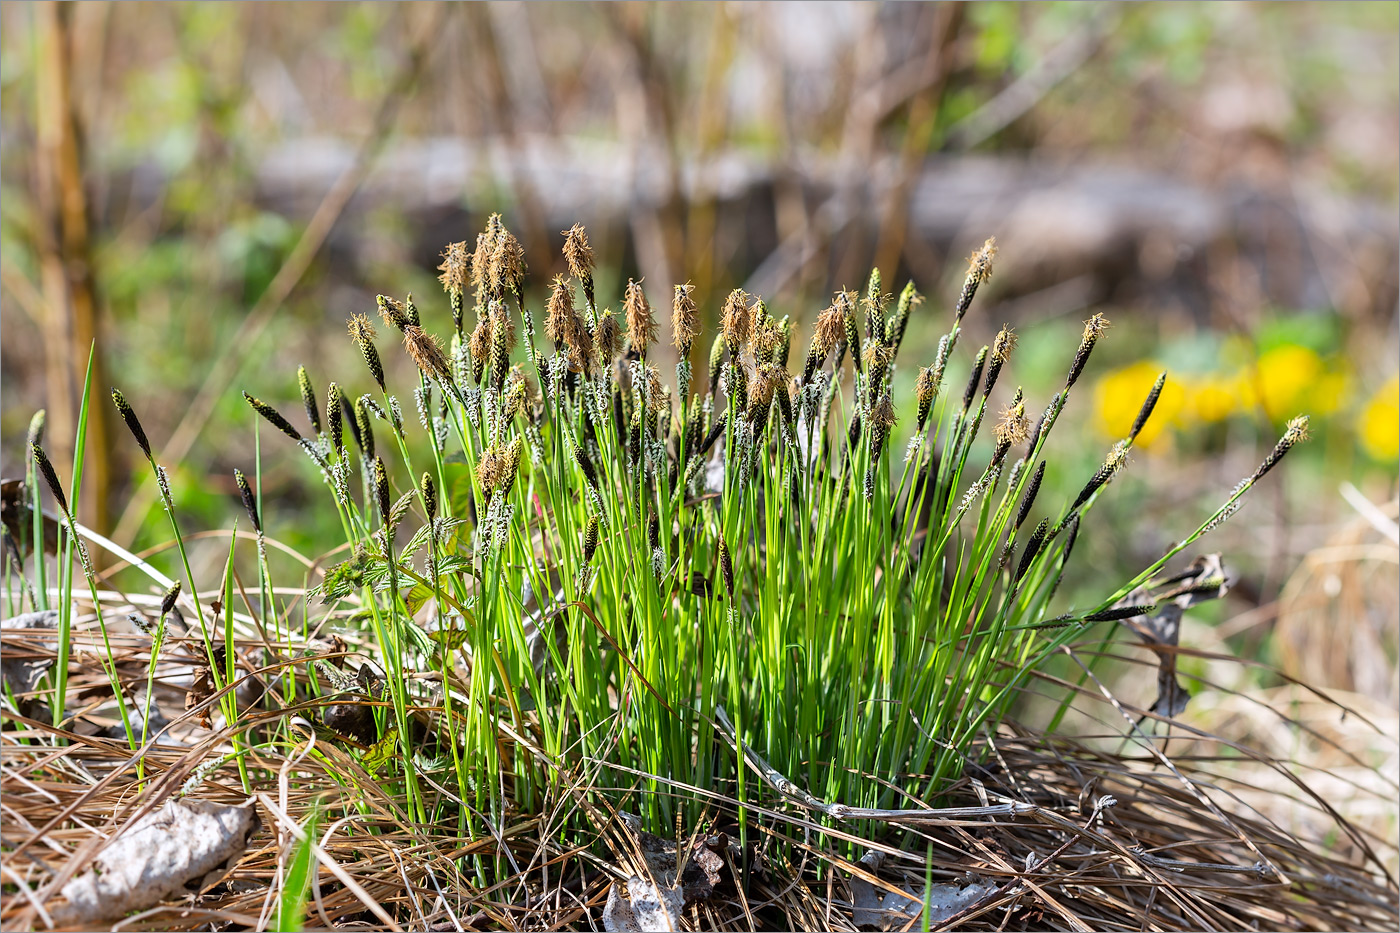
<point>308,400</point>
<point>559,312</point>
<point>502,343</point>
<point>909,299</point>
<point>479,347</point>
<point>590,538</point>
<point>726,567</point>
<point>830,331</point>
<point>1093,328</point>
<point>510,465</point>
<point>1122,612</point>
<point>1024,510</point>
<point>974,379</point>
<point>925,388</point>
<point>882,419</point>
<point>362,332</point>
<point>392,311</point>
<point>351,412</point>
<point>685,319</point>
<point>784,399</point>
<point>428,488</point>
<point>979,269</point>
<point>273,417</point>
<point>46,470</point>
<point>784,341</point>
<point>1117,458</point>
<point>1296,432</point>
<point>456,270</point>
<point>1012,427</point>
<point>716,362</point>
<point>508,264</point>
<point>1040,424</point>
<point>364,433</point>
<point>874,302</point>
<point>641,324</point>
<point>1032,549</point>
<point>1148,405</point>
<point>1002,346</point>
<point>132,424</point>
<point>578,256</point>
<point>852,330</point>
<point>334,400</point>
<point>737,321</point>
<point>426,352</point>
<point>250,503</point>
<point>381,491</point>
<point>167,602</point>
<point>607,338</point>
<point>590,473</point>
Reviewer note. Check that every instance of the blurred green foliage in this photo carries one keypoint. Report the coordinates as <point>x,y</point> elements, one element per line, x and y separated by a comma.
<point>185,101</point>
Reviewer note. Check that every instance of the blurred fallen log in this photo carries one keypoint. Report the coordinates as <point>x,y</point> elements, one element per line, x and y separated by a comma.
<point>1121,233</point>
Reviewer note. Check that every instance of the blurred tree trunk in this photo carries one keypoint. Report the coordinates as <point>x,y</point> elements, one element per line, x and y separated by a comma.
<point>65,260</point>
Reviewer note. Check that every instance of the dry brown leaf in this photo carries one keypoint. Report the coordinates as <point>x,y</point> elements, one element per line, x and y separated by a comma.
<point>1205,579</point>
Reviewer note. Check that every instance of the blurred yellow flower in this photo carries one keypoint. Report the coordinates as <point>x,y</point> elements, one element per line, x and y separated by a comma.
<point>1287,375</point>
<point>1378,424</point>
<point>1119,395</point>
<point>1215,398</point>
<point>1329,394</point>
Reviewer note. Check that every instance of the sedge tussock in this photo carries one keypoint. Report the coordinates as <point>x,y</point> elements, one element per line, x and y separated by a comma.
<point>598,593</point>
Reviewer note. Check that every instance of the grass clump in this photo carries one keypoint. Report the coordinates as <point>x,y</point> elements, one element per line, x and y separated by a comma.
<point>575,587</point>
<point>610,570</point>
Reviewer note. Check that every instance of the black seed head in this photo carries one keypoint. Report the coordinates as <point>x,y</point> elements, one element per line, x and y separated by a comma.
<point>979,269</point>
<point>41,460</point>
<point>429,490</point>
<point>974,378</point>
<point>272,416</point>
<point>590,539</point>
<point>362,332</point>
<point>1032,549</point>
<point>392,311</point>
<point>167,602</point>
<point>1297,432</point>
<point>364,431</point>
<point>132,424</point>
<point>334,400</point>
<point>908,300</point>
<point>250,503</point>
<point>1024,510</point>
<point>1002,346</point>
<point>1122,612</point>
<point>381,490</point>
<point>1148,404</point>
<point>1092,329</point>
<point>308,400</point>
<point>589,473</point>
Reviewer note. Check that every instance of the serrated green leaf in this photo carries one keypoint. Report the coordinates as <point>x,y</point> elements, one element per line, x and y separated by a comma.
<point>416,597</point>
<point>449,638</point>
<point>382,751</point>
